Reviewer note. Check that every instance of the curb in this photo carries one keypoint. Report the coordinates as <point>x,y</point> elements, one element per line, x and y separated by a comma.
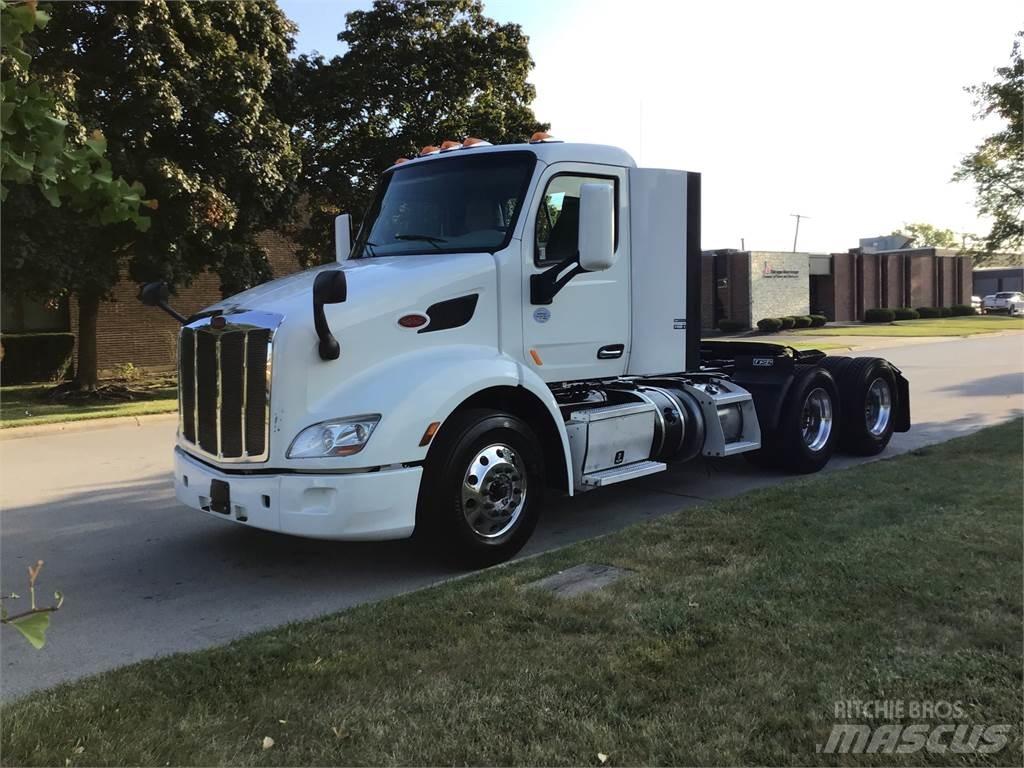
<point>38,430</point>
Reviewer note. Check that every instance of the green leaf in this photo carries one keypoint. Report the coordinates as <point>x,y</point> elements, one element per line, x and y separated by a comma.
<point>33,627</point>
<point>20,56</point>
<point>51,195</point>
<point>97,144</point>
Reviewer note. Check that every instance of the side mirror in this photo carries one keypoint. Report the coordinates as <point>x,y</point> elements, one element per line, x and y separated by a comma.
<point>597,225</point>
<point>329,287</point>
<point>156,295</point>
<point>342,237</point>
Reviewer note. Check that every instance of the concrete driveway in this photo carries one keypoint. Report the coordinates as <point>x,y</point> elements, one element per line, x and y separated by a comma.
<point>144,577</point>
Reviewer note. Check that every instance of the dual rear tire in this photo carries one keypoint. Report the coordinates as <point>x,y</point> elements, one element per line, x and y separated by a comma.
<point>844,403</point>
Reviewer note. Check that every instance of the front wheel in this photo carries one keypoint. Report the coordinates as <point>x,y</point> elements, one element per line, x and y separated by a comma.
<point>482,488</point>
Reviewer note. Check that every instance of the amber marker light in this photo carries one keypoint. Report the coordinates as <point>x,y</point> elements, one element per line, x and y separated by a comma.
<point>429,432</point>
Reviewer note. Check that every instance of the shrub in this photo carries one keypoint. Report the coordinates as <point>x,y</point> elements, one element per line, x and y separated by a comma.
<point>788,322</point>
<point>879,316</point>
<point>733,326</point>
<point>29,357</point>
<point>906,313</point>
<point>929,313</point>
<point>769,325</point>
<point>961,310</point>
<point>946,311</point>
<point>802,321</point>
<point>818,320</point>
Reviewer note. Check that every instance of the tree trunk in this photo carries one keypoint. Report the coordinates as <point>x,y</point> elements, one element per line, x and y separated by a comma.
<point>86,375</point>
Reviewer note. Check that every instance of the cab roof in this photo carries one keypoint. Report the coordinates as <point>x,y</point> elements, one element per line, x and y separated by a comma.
<point>547,152</point>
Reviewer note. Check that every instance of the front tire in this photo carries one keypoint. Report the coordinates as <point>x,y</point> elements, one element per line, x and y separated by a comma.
<point>482,489</point>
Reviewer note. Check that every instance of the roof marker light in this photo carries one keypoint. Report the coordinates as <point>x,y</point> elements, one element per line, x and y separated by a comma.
<point>540,138</point>
<point>472,141</point>
<point>401,160</point>
<point>430,149</point>
<point>448,146</point>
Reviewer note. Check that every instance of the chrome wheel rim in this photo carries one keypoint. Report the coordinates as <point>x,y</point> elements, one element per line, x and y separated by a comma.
<point>816,419</point>
<point>494,491</point>
<point>878,407</point>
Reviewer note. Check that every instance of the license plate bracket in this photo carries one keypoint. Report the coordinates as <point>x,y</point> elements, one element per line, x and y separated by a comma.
<point>220,496</point>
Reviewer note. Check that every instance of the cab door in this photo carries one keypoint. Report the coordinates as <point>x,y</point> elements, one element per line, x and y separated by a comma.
<point>584,332</point>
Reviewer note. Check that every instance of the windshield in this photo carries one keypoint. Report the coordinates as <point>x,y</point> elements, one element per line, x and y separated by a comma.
<point>454,205</point>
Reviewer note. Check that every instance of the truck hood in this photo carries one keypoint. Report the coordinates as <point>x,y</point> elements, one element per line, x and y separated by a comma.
<point>376,280</point>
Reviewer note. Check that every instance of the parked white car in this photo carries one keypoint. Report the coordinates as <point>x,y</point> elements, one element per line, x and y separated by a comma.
<point>1010,302</point>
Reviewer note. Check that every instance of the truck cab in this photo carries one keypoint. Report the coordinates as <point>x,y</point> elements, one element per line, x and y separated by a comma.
<point>509,322</point>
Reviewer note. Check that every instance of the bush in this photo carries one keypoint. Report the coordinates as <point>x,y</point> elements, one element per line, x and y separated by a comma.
<point>879,316</point>
<point>818,320</point>
<point>29,357</point>
<point>733,326</point>
<point>788,322</point>
<point>946,311</point>
<point>962,310</point>
<point>769,325</point>
<point>906,313</point>
<point>929,313</point>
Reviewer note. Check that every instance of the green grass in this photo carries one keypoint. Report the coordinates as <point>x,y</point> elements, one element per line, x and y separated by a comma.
<point>25,405</point>
<point>944,326</point>
<point>743,623</point>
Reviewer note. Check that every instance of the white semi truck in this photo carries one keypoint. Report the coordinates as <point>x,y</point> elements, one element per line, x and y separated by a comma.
<point>510,321</point>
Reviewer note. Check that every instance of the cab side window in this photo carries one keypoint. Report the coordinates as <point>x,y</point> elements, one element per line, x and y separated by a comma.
<point>556,236</point>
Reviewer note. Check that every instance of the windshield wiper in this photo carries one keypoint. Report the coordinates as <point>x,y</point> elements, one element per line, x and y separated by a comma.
<point>434,241</point>
<point>367,249</point>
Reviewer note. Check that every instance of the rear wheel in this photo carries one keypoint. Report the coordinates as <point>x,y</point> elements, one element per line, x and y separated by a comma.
<point>482,488</point>
<point>805,437</point>
<point>867,389</point>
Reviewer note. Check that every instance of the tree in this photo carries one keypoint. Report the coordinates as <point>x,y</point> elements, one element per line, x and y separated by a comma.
<point>35,149</point>
<point>996,166</point>
<point>188,96</point>
<point>925,235</point>
<point>416,72</point>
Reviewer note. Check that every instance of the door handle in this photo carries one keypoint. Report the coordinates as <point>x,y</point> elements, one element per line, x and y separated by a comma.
<point>611,351</point>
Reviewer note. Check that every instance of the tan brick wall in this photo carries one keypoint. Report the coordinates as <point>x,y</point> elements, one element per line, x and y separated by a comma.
<point>129,332</point>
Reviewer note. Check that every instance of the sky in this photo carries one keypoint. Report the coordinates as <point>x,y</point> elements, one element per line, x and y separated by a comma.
<point>851,114</point>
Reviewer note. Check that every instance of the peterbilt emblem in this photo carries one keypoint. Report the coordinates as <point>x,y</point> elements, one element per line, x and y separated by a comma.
<point>763,362</point>
<point>218,322</point>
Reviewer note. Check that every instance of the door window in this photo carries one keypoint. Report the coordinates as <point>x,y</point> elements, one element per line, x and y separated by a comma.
<point>556,235</point>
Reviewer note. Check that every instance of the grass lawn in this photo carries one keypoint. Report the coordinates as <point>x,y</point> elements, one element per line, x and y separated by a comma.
<point>24,405</point>
<point>795,345</point>
<point>943,326</point>
<point>743,624</point>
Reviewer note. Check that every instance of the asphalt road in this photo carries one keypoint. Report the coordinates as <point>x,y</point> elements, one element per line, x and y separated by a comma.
<point>144,577</point>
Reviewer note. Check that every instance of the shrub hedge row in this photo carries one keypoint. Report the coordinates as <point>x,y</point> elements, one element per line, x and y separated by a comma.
<point>775,324</point>
<point>924,313</point>
<point>30,357</point>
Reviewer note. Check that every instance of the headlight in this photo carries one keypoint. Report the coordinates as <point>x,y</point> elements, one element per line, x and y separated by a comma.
<point>337,437</point>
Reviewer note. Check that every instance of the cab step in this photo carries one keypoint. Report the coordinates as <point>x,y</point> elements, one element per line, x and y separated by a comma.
<point>623,473</point>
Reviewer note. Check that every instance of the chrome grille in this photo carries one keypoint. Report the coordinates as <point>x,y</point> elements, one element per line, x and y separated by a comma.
<point>224,367</point>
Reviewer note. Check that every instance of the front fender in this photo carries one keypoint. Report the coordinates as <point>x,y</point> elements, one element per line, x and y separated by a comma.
<point>443,379</point>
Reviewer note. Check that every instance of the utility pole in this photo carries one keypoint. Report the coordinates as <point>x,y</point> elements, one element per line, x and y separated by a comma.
<point>796,234</point>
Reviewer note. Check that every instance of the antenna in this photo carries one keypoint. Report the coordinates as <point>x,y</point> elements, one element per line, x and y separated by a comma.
<point>796,234</point>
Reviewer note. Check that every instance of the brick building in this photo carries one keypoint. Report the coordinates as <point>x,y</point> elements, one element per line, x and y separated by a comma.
<point>129,332</point>
<point>746,286</point>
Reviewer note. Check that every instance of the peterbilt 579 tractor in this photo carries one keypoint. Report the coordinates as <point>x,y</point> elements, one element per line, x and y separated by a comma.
<point>510,321</point>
